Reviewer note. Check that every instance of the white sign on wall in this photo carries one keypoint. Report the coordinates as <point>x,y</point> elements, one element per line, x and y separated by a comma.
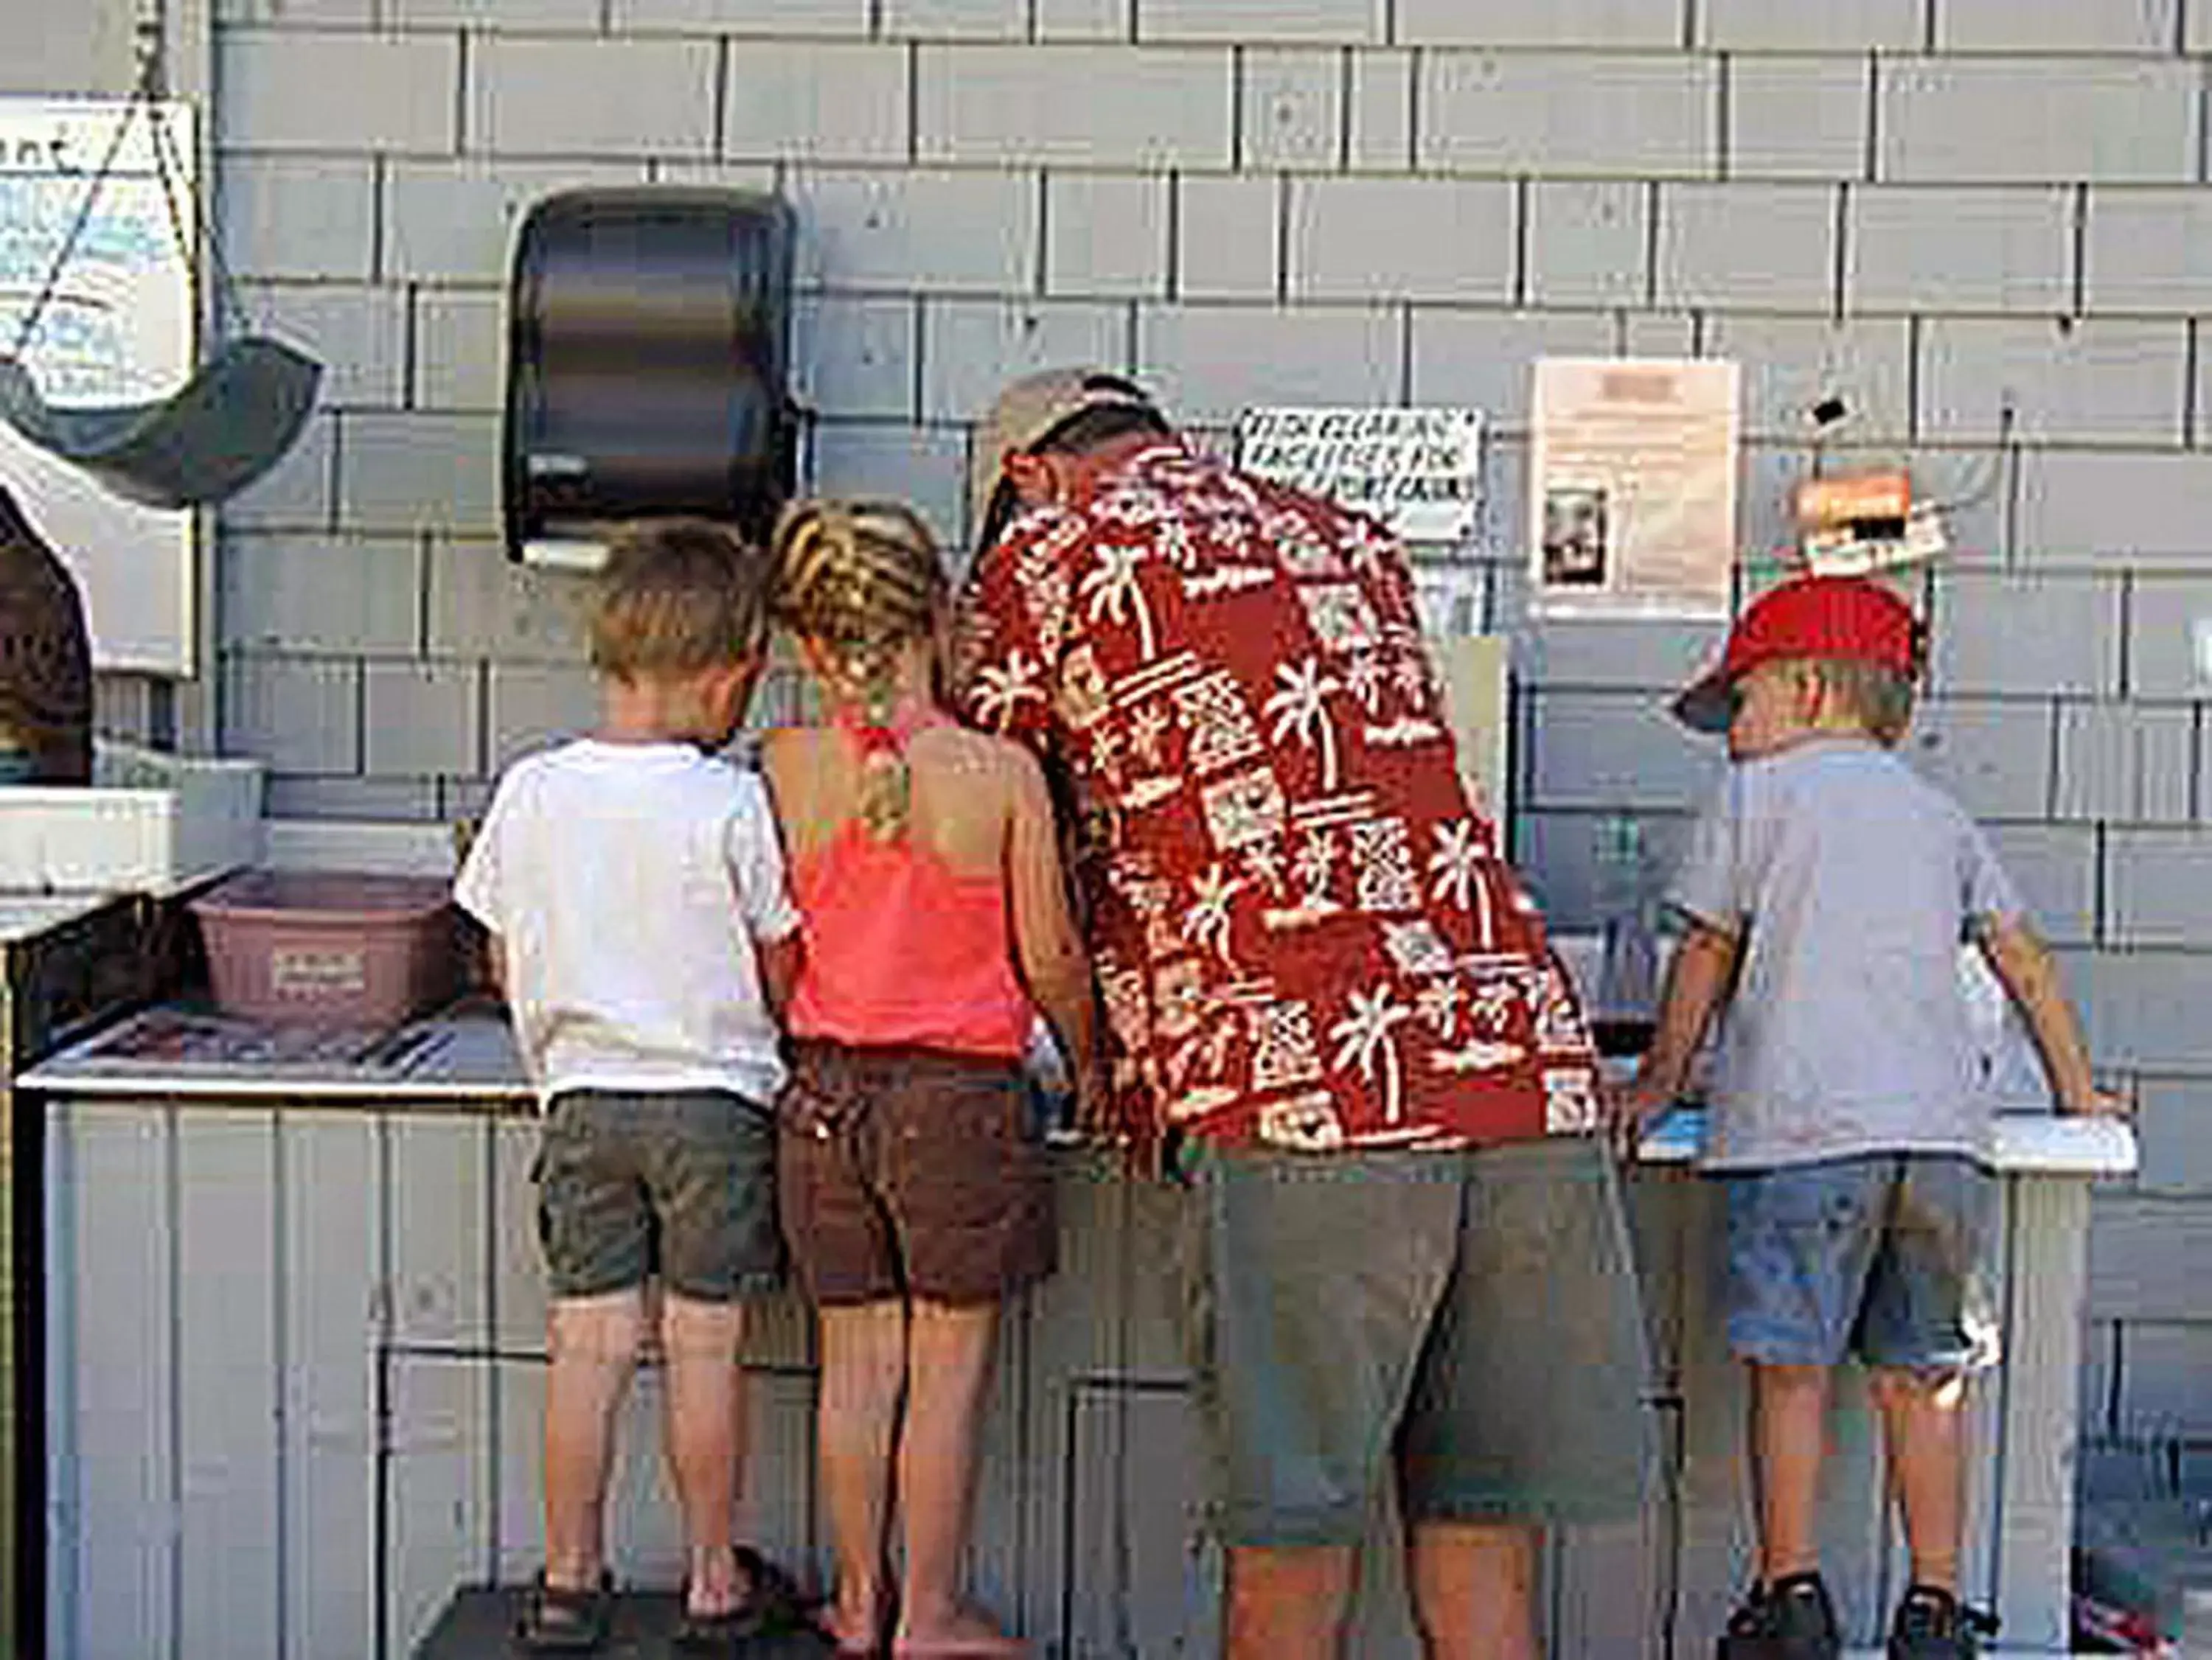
<point>1631,502</point>
<point>1419,472</point>
<point>118,329</point>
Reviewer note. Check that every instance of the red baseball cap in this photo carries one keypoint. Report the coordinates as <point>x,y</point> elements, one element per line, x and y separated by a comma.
<point>1840,617</point>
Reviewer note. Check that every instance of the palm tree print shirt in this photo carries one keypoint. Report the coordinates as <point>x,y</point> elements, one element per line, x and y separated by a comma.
<point>1304,937</point>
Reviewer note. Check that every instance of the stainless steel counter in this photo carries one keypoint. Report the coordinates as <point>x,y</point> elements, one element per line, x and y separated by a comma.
<point>466,1054</point>
<point>185,1053</point>
<point>24,915</point>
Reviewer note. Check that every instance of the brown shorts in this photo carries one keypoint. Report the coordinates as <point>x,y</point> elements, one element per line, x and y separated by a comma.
<point>910,1173</point>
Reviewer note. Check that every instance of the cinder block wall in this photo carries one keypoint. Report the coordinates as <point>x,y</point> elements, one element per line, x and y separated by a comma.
<point>1986,223</point>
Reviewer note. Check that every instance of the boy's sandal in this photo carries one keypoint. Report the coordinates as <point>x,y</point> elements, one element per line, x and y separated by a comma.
<point>566,1619</point>
<point>771,1604</point>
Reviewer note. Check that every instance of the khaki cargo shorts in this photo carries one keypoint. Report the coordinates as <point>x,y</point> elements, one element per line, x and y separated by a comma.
<point>1465,1324</point>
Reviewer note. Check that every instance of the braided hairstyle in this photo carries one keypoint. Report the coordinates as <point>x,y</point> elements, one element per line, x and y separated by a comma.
<point>860,581</point>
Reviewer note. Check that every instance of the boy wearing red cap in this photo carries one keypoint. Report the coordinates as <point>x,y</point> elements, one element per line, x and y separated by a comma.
<point>1827,892</point>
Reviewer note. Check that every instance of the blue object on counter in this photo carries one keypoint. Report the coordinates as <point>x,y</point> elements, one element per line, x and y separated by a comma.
<point>1052,1115</point>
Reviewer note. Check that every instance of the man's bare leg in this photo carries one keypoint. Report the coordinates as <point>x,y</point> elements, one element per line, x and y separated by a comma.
<point>1472,1586</point>
<point>593,1344</point>
<point>1788,1430</point>
<point>863,1375</point>
<point>1288,1604</point>
<point>1923,1436</point>
<point>706,1441</point>
<point>949,1353</point>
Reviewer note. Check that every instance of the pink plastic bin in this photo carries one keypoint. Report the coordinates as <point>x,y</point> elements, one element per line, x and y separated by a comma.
<point>327,947</point>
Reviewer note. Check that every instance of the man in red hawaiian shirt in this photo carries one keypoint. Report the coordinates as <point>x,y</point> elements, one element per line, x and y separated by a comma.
<point>1332,1013</point>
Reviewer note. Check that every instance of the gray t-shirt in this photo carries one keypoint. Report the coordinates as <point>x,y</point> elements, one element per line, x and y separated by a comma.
<point>1851,884</point>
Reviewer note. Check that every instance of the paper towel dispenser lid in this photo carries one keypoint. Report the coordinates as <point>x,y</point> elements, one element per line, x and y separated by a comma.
<point>649,339</point>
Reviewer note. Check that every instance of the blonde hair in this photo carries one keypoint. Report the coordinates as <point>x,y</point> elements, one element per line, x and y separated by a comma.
<point>1872,694</point>
<point>676,597</point>
<point>860,581</point>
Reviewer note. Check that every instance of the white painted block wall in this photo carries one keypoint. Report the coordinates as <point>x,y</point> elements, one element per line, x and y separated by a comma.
<point>1987,223</point>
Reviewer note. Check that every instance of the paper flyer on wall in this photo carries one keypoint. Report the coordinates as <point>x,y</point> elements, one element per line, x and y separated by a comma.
<point>1631,500</point>
<point>1417,470</point>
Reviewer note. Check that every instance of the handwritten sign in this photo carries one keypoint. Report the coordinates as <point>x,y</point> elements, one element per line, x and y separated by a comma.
<point>1419,472</point>
<point>118,329</point>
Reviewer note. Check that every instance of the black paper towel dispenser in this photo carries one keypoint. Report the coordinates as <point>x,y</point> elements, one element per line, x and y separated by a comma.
<point>648,344</point>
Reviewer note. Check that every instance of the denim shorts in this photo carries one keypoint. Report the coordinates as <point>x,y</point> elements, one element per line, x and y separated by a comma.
<point>678,1185</point>
<point>1466,1324</point>
<point>1879,1256</point>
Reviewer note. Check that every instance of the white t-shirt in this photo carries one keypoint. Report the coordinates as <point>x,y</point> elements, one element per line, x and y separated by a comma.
<point>1851,884</point>
<point>627,884</point>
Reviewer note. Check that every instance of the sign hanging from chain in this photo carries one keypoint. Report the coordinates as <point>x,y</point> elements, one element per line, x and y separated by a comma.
<point>119,326</point>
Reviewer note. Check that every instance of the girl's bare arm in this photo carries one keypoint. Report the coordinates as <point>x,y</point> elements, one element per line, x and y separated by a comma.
<point>779,961</point>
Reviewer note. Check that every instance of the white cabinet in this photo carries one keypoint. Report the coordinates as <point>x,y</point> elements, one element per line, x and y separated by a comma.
<point>297,1368</point>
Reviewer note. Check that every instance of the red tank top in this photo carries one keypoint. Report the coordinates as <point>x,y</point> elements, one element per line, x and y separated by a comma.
<point>901,950</point>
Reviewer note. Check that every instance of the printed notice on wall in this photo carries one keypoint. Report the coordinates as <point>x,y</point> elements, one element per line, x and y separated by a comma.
<point>1419,472</point>
<point>1631,500</point>
<point>116,328</point>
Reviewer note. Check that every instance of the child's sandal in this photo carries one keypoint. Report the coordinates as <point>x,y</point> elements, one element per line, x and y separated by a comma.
<point>566,1619</point>
<point>769,1606</point>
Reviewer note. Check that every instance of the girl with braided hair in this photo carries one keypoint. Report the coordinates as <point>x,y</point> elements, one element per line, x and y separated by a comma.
<point>936,927</point>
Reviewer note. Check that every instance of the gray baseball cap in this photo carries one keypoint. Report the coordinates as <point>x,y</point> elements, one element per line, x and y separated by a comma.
<point>1026,413</point>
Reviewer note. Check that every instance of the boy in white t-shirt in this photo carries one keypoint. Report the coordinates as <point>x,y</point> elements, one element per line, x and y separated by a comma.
<point>633,889</point>
<point>1827,892</point>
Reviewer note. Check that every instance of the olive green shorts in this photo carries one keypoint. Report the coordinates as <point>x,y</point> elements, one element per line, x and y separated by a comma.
<point>1465,1324</point>
<point>677,1187</point>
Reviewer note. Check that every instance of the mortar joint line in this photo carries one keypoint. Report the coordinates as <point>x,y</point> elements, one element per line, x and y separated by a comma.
<point>1915,335</point>
<point>1346,92</point>
<point>1655,207</point>
<point>1173,276</point>
<point>1236,135</point>
<point>1840,275</point>
<point>724,65</point>
<point>2080,251</point>
<point>1413,62</point>
<point>1870,162</point>
<point>1043,275</point>
<point>1405,352</point>
<point>2190,347</point>
<point>1525,201</point>
<point>464,67</point>
<point>913,103</point>
<point>1724,110</point>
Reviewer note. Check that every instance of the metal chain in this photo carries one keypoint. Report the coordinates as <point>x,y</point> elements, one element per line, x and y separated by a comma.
<point>194,232</point>
<point>150,67</point>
